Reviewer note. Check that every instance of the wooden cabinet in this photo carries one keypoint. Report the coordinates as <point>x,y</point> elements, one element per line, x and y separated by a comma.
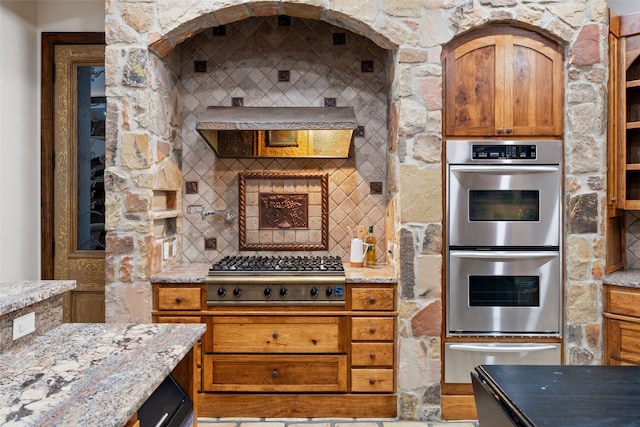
<point>621,325</point>
<point>493,81</point>
<point>624,114</point>
<point>289,361</point>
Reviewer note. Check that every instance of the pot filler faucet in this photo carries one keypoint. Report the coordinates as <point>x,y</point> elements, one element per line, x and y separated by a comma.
<point>228,215</point>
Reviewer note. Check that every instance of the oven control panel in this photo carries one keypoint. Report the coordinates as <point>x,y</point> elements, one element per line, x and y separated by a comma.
<point>504,152</point>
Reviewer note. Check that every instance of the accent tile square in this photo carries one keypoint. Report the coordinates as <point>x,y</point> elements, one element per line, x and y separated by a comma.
<point>191,187</point>
<point>330,102</point>
<point>210,244</point>
<point>284,75</point>
<point>219,31</point>
<point>199,66</point>
<point>366,66</point>
<point>339,39</point>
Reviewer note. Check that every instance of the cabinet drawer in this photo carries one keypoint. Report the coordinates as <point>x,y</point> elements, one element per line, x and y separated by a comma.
<point>372,329</point>
<point>372,380</point>
<point>178,319</point>
<point>283,373</point>
<point>372,299</point>
<point>371,354</point>
<point>623,301</point>
<point>277,334</point>
<point>179,298</point>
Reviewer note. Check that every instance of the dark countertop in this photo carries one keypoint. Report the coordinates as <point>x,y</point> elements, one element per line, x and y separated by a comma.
<point>585,396</point>
<point>629,278</point>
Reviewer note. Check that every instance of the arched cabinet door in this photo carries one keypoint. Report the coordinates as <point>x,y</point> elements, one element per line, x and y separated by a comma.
<point>503,82</point>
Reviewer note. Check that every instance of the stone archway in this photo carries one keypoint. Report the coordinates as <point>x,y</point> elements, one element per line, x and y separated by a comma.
<point>144,148</point>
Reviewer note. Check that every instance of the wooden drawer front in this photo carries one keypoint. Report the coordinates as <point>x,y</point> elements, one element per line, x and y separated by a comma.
<point>372,329</point>
<point>372,380</point>
<point>179,298</point>
<point>275,373</point>
<point>277,335</point>
<point>624,302</point>
<point>372,299</point>
<point>371,354</point>
<point>178,319</point>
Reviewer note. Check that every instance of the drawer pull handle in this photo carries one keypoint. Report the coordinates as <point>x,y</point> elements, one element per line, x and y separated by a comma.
<point>178,300</point>
<point>275,335</point>
<point>372,300</point>
<point>372,330</point>
<point>275,374</point>
<point>372,356</point>
<point>372,381</point>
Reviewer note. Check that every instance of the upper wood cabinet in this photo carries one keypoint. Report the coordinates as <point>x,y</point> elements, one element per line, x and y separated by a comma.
<point>505,82</point>
<point>624,114</point>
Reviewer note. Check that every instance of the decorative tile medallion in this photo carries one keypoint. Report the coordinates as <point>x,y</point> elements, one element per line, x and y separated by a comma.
<point>283,211</point>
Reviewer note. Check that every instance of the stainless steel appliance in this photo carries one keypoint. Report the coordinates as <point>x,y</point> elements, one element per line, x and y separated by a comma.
<point>504,264</point>
<point>503,194</point>
<point>463,357</point>
<point>295,280</point>
<point>504,293</point>
<point>503,221</point>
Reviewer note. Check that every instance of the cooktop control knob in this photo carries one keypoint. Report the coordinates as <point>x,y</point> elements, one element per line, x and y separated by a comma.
<point>237,292</point>
<point>267,292</point>
<point>222,292</point>
<point>283,292</point>
<point>314,292</point>
<point>329,292</point>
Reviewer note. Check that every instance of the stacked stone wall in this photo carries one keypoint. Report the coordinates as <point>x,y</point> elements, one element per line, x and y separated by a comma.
<point>143,153</point>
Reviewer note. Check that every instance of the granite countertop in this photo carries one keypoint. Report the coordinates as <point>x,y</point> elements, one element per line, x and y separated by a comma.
<point>89,374</point>
<point>19,294</point>
<point>629,278</point>
<point>197,272</point>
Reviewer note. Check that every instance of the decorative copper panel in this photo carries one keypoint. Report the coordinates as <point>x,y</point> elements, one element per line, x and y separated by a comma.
<point>283,211</point>
<point>277,211</point>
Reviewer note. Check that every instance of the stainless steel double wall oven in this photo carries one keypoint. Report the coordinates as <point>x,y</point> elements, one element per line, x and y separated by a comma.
<point>504,263</point>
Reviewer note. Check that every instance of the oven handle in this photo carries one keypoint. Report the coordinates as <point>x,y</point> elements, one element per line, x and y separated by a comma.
<point>503,254</point>
<point>501,169</point>
<point>502,348</point>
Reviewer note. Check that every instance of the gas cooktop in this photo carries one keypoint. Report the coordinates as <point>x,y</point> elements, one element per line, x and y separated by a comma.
<point>278,265</point>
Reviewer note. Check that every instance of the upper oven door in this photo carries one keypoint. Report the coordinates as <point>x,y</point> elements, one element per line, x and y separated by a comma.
<point>504,205</point>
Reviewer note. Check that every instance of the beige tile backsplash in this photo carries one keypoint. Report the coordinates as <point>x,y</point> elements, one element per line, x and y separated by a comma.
<point>244,63</point>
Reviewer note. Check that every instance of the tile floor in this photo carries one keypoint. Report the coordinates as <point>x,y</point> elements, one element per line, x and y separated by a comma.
<point>324,422</point>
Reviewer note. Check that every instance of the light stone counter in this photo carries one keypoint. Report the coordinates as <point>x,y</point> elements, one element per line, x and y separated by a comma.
<point>89,374</point>
<point>629,278</point>
<point>20,294</point>
<point>197,272</point>
<point>41,297</point>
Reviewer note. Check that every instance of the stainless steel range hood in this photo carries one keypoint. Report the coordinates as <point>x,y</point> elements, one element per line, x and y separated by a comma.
<point>321,132</point>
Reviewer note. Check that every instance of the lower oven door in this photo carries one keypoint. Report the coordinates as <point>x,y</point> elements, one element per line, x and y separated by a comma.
<point>461,358</point>
<point>504,293</point>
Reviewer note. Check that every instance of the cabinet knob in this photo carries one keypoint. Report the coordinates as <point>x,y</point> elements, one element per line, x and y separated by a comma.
<point>275,374</point>
<point>372,330</point>
<point>372,356</point>
<point>178,300</point>
<point>614,199</point>
<point>509,130</point>
<point>500,131</point>
<point>275,335</point>
<point>372,300</point>
<point>372,381</point>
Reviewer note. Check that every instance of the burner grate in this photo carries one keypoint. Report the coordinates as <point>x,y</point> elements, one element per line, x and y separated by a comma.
<point>262,264</point>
